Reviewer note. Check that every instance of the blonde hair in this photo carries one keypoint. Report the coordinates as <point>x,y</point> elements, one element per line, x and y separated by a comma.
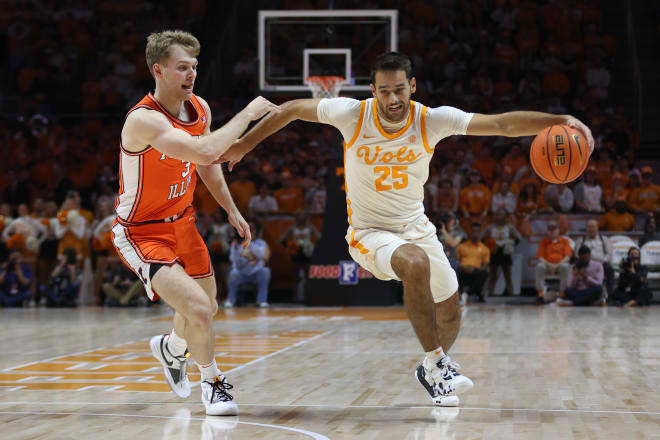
<point>159,43</point>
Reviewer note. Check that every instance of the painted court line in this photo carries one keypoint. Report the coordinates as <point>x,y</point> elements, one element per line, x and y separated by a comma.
<point>340,407</point>
<point>314,435</point>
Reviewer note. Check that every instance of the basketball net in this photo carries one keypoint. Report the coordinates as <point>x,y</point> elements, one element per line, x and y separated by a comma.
<point>324,86</point>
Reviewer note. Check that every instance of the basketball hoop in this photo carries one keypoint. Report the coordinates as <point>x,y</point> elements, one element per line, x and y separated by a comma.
<point>324,86</point>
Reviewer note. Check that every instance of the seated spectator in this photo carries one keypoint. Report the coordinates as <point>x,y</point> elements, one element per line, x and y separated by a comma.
<point>62,289</point>
<point>242,189</point>
<point>585,281</point>
<point>506,173</point>
<point>262,203</point>
<point>530,201</point>
<point>456,179</point>
<point>601,251</point>
<point>446,200</point>
<point>249,266</point>
<point>618,219</point>
<point>122,287</point>
<point>554,254</point>
<point>504,237</point>
<point>475,198</point>
<point>485,164</point>
<point>632,288</point>
<point>450,235</point>
<point>289,198</point>
<point>473,258</point>
<point>650,233</point>
<point>559,198</point>
<point>15,280</point>
<point>316,196</point>
<point>514,159</point>
<point>616,190</point>
<point>298,240</point>
<point>646,198</point>
<point>504,199</point>
<point>588,194</point>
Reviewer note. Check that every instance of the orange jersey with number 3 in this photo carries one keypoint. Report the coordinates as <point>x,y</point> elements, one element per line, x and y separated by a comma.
<point>153,186</point>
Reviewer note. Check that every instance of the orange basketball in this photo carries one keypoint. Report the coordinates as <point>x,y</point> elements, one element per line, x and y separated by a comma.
<point>559,154</point>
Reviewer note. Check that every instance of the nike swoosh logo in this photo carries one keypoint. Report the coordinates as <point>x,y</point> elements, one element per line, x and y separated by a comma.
<point>169,363</point>
<point>367,136</point>
<point>576,138</point>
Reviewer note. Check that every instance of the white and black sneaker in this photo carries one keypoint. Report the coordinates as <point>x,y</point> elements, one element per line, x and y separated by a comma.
<point>216,399</point>
<point>174,367</point>
<point>443,381</point>
<point>448,371</point>
<point>442,394</point>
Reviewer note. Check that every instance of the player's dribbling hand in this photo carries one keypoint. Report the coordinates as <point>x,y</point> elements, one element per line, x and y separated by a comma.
<point>259,107</point>
<point>577,124</point>
<point>238,222</point>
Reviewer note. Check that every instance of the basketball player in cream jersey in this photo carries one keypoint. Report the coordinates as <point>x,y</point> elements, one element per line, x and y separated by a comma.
<point>166,140</point>
<point>389,141</point>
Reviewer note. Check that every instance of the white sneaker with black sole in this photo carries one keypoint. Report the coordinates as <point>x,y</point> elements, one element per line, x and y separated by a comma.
<point>441,394</point>
<point>216,399</point>
<point>174,367</point>
<point>443,381</point>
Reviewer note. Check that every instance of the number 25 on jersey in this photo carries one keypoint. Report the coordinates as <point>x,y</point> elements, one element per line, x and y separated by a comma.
<point>399,177</point>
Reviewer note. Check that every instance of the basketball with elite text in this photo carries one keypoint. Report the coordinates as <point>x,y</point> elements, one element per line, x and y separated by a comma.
<point>559,154</point>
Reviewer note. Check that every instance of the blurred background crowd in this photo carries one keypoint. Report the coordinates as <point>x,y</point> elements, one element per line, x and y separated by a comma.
<point>73,68</point>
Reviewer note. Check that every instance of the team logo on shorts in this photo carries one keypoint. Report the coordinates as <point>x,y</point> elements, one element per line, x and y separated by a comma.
<point>348,272</point>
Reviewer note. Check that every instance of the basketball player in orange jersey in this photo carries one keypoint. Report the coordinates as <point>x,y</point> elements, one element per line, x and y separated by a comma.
<point>165,140</point>
<point>389,142</point>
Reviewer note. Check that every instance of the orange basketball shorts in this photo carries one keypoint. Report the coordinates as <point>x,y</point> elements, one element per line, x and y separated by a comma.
<point>145,246</point>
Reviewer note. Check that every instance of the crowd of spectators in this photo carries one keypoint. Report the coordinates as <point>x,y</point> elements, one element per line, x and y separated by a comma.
<point>74,69</point>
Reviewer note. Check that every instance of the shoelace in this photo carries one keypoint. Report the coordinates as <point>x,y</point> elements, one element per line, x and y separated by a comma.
<point>451,367</point>
<point>219,387</point>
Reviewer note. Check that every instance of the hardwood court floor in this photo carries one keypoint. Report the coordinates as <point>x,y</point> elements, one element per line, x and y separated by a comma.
<point>540,373</point>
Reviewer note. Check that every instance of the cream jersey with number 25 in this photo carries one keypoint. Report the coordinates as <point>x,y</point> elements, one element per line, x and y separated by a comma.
<point>385,172</point>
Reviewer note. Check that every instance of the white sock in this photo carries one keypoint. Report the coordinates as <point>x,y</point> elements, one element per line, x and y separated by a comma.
<point>210,371</point>
<point>432,358</point>
<point>176,345</point>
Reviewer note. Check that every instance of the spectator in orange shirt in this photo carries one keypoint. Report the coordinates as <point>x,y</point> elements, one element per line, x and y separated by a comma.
<point>604,165</point>
<point>473,259</point>
<point>514,159</point>
<point>289,198</point>
<point>242,189</point>
<point>506,175</point>
<point>530,201</point>
<point>618,219</point>
<point>647,196</point>
<point>475,198</point>
<point>616,190</point>
<point>485,164</point>
<point>554,254</point>
<point>446,200</point>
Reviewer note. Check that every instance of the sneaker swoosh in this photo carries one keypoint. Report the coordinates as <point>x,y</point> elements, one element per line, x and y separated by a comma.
<point>162,352</point>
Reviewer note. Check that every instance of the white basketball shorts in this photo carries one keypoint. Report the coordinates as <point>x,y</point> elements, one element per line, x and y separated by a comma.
<point>373,248</point>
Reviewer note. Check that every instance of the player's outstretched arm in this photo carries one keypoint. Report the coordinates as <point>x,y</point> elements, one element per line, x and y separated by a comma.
<point>146,127</point>
<point>303,109</point>
<point>523,123</point>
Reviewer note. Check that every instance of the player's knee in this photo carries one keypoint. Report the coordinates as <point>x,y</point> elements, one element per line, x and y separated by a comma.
<point>412,262</point>
<point>202,312</point>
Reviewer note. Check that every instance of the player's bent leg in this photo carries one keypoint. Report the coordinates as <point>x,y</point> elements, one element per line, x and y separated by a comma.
<point>411,265</point>
<point>448,319</point>
<point>216,399</point>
